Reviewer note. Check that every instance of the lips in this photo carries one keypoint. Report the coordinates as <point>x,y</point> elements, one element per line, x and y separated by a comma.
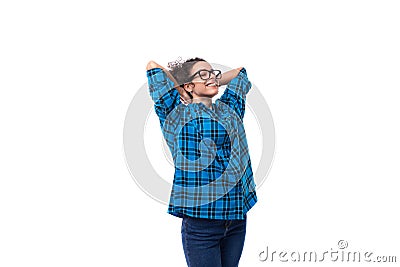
<point>212,84</point>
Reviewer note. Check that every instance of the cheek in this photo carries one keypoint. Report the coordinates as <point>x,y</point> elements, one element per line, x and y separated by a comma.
<point>203,90</point>
<point>199,88</point>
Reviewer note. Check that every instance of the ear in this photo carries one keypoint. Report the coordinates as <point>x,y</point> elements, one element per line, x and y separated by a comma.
<point>188,87</point>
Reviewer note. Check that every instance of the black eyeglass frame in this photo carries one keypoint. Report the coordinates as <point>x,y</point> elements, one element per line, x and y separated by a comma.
<point>217,76</point>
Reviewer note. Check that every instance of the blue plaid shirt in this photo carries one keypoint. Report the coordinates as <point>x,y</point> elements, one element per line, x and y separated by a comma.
<point>213,176</point>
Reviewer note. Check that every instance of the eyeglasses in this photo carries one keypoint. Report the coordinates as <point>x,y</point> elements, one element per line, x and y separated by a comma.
<point>206,74</point>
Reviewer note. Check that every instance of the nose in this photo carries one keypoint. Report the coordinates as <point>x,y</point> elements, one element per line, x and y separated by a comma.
<point>212,80</point>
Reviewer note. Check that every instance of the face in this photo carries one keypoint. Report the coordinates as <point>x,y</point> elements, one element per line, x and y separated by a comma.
<point>202,88</point>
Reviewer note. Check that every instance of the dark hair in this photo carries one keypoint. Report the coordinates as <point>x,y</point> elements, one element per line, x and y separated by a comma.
<point>181,71</point>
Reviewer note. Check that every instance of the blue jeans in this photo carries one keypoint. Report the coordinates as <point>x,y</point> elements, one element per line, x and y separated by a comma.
<point>212,243</point>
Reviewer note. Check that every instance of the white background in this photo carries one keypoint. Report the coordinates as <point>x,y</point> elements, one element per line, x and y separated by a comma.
<point>329,71</point>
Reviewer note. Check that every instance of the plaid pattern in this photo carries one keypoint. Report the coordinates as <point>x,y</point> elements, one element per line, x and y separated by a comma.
<point>213,175</point>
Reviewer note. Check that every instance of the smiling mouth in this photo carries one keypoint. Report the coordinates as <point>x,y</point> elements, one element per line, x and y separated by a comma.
<point>212,84</point>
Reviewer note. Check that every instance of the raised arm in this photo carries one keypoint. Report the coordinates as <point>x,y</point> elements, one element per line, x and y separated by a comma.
<point>228,76</point>
<point>184,96</point>
<point>235,93</point>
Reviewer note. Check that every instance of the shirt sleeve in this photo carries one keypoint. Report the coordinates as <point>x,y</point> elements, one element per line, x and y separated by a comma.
<point>235,93</point>
<point>162,92</point>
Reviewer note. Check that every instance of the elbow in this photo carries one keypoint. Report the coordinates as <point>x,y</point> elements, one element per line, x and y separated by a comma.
<point>151,65</point>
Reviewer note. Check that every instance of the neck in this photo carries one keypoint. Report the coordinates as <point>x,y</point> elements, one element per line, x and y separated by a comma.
<point>207,101</point>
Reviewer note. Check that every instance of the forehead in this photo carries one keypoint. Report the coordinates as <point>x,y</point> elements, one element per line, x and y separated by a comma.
<point>201,65</point>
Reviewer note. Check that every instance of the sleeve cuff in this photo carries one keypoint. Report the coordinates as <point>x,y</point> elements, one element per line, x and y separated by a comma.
<point>240,84</point>
<point>152,74</point>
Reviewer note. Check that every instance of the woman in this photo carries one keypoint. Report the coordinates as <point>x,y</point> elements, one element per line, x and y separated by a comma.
<point>213,186</point>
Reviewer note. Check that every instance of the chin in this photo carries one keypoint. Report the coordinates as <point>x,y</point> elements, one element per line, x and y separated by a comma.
<point>212,95</point>
<point>213,92</point>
